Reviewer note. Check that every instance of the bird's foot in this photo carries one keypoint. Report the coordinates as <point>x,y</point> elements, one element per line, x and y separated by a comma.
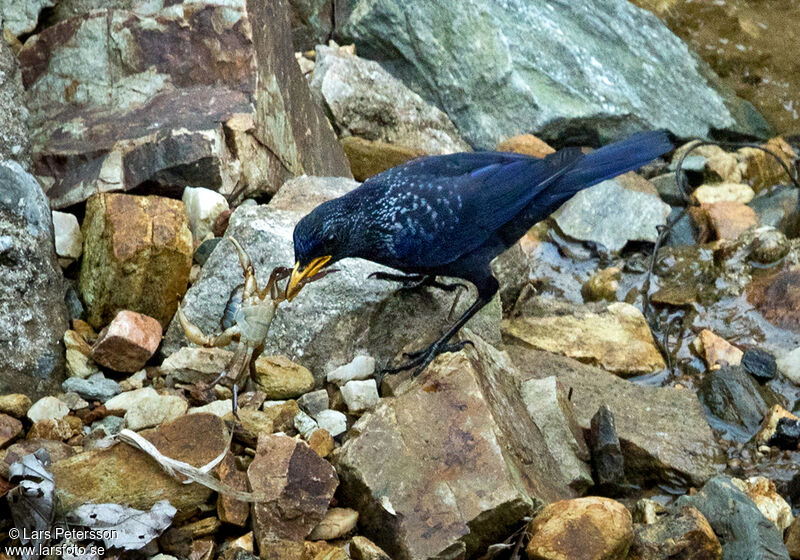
<point>419,360</point>
<point>413,281</point>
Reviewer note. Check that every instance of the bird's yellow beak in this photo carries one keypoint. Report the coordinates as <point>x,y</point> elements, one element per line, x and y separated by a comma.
<point>302,274</point>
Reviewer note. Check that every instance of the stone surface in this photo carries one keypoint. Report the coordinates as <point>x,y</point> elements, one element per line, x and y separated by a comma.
<point>723,192</point>
<point>614,212</point>
<point>314,402</point>
<point>56,449</point>
<point>613,336</point>
<point>663,430</point>
<point>31,288</point>
<point>361,548</point>
<point>15,404</point>
<point>454,489</point>
<point>608,463</point>
<point>716,351</point>
<point>792,540</point>
<point>360,396</point>
<point>59,429</point>
<point>14,137</point>
<point>361,367</point>
<point>95,388</point>
<point>769,425</point>
<point>47,408</point>
<point>728,220</point>
<point>281,467</point>
<point>321,441</point>
<point>745,534</point>
<point>69,241</point>
<point>190,364</point>
<point>203,207</point>
<point>370,157</point>
<point>592,528</point>
<point>548,405</point>
<point>333,421</point>
<point>735,398</point>
<point>368,102</point>
<point>281,378</point>
<point>125,475</point>
<point>336,524</point>
<point>316,329</point>
<point>127,342</point>
<point>10,429</point>
<point>306,425</point>
<point>766,498</point>
<point>79,361</point>
<point>145,408</point>
<point>780,208</point>
<point>526,144</point>
<point>762,170</point>
<point>682,533</point>
<point>559,72</point>
<point>243,124</point>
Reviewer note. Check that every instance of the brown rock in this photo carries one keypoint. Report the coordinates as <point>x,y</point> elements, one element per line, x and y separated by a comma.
<point>361,548</point>
<point>770,423</point>
<point>683,534</point>
<point>123,474</point>
<point>127,342</point>
<point>230,510</point>
<point>10,429</point>
<point>762,170</point>
<point>321,442</point>
<point>251,425</point>
<point>792,539</point>
<point>15,404</point>
<point>337,524</point>
<point>603,285</point>
<point>129,241</point>
<point>56,449</point>
<point>728,220</point>
<point>60,429</point>
<point>526,144</point>
<point>282,414</point>
<point>716,351</point>
<point>588,528</point>
<point>370,157</point>
<point>777,298</point>
<point>281,378</point>
<point>766,498</point>
<point>281,467</point>
<point>79,361</point>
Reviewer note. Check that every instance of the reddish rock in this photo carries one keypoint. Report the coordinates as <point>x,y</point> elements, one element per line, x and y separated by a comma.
<point>777,298</point>
<point>526,144</point>
<point>127,342</point>
<point>231,510</point>
<point>588,528</point>
<point>137,255</point>
<point>726,220</point>
<point>297,484</point>
<point>716,351</point>
<point>10,429</point>
<point>56,449</point>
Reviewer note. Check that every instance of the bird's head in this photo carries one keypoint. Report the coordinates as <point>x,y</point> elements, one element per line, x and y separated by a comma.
<point>320,239</point>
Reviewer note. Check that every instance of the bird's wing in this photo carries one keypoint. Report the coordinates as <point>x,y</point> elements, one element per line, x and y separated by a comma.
<point>449,205</point>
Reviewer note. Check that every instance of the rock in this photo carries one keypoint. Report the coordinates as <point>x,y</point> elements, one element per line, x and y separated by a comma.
<point>203,206</point>
<point>135,381</point>
<point>613,336</point>
<point>129,240</point>
<point>314,402</point>
<point>723,192</point>
<point>614,212</point>
<point>95,388</point>
<point>110,425</point>
<point>777,298</point>
<point>73,400</point>
<point>361,548</point>
<point>762,170</point>
<point>769,246</point>
<point>79,361</point>
<point>312,22</point>
<point>668,189</point>
<point>127,342</point>
<point>368,102</point>
<point>31,287</point>
<point>662,430</point>
<point>769,425</point>
<point>716,351</point>
<point>370,157</point>
<point>745,534</point>
<point>281,413</point>
<point>20,18</point>
<point>333,421</point>
<point>608,463</point>
<point>728,220</point>
<point>14,137</point>
<point>526,144</point>
<point>230,510</point>
<point>47,408</point>
<point>787,434</point>
<point>360,396</point>
<point>251,425</point>
<point>362,367</point>
<point>144,408</point>
<point>10,429</point>
<point>59,429</point>
<point>423,502</point>
<point>321,441</point>
<point>766,498</point>
<point>760,364</point>
<point>547,403</point>
<point>15,404</point>
<point>792,540</point>
<point>683,533</point>
<point>603,285</point>
<point>317,328</point>
<point>123,474</point>
<point>596,528</point>
<point>281,378</point>
<point>502,83</point>
<point>281,465</point>
<point>217,408</point>
<point>192,364</point>
<point>56,449</point>
<point>244,124</point>
<point>205,249</point>
<point>779,208</point>
<point>733,397</point>
<point>69,241</point>
<point>336,524</point>
<point>306,425</point>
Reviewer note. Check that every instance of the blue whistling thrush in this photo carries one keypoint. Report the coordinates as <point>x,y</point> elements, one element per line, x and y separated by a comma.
<point>450,215</point>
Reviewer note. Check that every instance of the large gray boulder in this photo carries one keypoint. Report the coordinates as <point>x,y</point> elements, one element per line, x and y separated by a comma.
<point>334,319</point>
<point>587,71</point>
<point>14,141</point>
<point>31,288</point>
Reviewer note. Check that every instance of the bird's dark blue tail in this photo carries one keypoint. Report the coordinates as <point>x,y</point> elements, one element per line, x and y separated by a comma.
<point>612,160</point>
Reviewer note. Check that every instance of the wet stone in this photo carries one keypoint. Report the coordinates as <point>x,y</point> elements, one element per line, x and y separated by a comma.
<point>680,534</point>
<point>205,249</point>
<point>760,364</point>
<point>608,463</point>
<point>787,434</point>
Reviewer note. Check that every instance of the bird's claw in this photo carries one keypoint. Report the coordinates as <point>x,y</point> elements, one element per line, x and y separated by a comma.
<point>420,359</point>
